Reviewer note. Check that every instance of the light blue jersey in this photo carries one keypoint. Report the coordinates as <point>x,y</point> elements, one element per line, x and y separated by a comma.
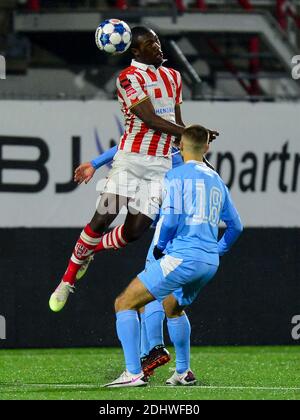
<point>196,199</point>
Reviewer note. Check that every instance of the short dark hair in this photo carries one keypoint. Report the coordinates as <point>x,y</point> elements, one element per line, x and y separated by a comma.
<point>197,134</point>
<point>138,31</point>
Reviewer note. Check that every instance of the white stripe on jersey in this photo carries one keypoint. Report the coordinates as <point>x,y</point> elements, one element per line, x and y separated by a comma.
<point>162,86</point>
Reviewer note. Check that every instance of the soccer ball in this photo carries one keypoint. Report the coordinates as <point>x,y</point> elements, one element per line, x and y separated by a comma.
<point>113,36</point>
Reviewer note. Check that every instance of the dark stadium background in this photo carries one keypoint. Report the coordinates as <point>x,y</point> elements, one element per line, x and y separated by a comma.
<point>48,45</point>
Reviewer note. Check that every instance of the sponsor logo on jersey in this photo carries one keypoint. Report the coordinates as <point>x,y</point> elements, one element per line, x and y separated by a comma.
<point>150,85</point>
<point>165,110</point>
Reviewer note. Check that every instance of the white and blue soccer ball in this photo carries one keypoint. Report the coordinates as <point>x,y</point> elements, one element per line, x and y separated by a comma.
<point>113,36</point>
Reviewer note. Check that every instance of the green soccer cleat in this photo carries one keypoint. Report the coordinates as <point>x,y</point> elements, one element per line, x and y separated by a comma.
<point>84,268</point>
<point>60,297</point>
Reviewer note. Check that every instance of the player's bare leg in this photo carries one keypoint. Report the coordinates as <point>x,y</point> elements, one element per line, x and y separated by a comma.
<point>133,228</point>
<point>111,240</point>
<point>134,297</point>
<point>92,237</point>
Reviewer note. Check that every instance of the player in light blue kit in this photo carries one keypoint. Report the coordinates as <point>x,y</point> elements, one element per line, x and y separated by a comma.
<point>186,257</point>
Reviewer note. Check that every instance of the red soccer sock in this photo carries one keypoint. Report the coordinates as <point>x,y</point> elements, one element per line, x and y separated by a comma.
<point>84,247</point>
<point>112,240</point>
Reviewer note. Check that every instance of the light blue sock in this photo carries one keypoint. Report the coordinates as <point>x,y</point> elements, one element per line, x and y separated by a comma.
<point>180,335</point>
<point>129,333</point>
<point>145,348</point>
<point>154,319</point>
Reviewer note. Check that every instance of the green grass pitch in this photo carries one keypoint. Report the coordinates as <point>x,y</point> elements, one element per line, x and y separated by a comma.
<point>223,373</point>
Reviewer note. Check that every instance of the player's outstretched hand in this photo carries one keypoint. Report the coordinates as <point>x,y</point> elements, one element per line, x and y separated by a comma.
<point>84,173</point>
<point>213,135</point>
<point>158,254</point>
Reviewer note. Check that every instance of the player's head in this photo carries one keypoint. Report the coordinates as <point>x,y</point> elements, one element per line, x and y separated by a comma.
<point>195,142</point>
<point>146,46</point>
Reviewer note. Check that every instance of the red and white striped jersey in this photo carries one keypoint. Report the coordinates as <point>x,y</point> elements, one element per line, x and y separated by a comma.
<point>163,86</point>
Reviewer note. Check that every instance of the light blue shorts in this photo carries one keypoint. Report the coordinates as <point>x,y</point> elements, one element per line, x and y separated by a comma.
<point>183,278</point>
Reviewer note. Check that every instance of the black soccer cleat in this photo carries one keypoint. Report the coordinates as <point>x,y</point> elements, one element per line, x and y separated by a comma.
<point>157,357</point>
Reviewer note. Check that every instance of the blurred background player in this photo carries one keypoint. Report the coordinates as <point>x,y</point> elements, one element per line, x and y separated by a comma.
<point>187,254</point>
<point>146,90</point>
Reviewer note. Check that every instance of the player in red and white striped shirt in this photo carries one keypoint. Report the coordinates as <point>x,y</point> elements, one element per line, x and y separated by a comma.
<point>150,96</point>
<point>163,88</point>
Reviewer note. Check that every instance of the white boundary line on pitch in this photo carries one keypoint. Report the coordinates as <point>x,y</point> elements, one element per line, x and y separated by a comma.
<point>237,388</point>
<point>93,386</point>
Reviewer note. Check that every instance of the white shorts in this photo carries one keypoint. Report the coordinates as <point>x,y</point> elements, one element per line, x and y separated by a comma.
<point>139,178</point>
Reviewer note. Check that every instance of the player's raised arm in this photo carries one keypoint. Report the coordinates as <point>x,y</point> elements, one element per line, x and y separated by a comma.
<point>146,112</point>
<point>179,121</point>
<point>178,115</point>
<point>234,226</point>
